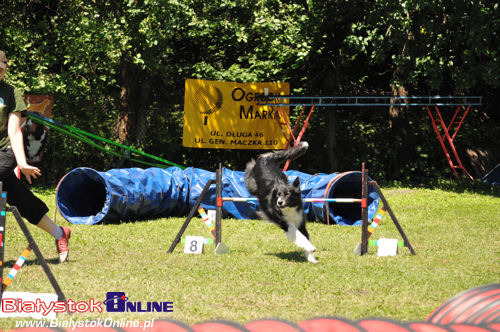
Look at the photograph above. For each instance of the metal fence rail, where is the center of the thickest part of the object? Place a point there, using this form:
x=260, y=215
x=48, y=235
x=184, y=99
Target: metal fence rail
x=342, y=101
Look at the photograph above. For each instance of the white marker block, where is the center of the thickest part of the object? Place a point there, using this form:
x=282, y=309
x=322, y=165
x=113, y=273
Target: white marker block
x=194, y=244
x=387, y=247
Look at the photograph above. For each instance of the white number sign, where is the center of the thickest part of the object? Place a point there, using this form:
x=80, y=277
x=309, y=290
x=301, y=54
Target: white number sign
x=194, y=244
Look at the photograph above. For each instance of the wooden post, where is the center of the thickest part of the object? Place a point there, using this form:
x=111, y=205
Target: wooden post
x=190, y=215
x=393, y=217
x=218, y=207
x=364, y=209
x=38, y=253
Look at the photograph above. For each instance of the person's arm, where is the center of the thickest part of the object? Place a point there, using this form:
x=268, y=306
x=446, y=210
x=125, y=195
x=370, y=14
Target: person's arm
x=17, y=145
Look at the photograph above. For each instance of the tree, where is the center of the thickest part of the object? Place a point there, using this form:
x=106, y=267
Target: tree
x=117, y=69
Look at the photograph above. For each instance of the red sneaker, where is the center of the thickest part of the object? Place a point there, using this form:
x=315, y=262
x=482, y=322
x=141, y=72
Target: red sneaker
x=62, y=244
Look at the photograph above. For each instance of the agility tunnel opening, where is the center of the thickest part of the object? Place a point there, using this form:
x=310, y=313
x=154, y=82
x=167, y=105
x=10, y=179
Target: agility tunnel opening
x=348, y=185
x=337, y=185
x=82, y=196
x=87, y=196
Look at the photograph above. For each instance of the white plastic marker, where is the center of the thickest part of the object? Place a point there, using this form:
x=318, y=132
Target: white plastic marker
x=194, y=244
x=387, y=247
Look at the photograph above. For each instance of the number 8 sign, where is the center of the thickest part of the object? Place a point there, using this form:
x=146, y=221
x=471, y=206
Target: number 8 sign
x=194, y=244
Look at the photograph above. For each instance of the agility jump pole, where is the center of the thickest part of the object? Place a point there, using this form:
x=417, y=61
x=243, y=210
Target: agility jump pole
x=191, y=215
x=31, y=246
x=87, y=137
x=307, y=200
x=218, y=214
x=393, y=217
x=366, y=228
x=19, y=264
x=367, y=231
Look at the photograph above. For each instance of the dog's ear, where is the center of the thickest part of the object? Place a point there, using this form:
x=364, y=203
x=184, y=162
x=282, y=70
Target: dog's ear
x=296, y=182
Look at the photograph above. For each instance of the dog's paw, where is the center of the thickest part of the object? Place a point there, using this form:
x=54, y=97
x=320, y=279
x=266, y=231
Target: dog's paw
x=309, y=247
x=310, y=257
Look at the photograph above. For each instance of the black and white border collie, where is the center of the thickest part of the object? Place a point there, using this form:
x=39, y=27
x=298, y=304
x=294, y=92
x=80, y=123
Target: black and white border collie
x=280, y=202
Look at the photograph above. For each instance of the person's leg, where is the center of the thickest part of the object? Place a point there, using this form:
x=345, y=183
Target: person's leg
x=50, y=227
x=60, y=233
x=29, y=206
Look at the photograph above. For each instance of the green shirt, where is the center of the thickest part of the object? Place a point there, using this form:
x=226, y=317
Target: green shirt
x=11, y=100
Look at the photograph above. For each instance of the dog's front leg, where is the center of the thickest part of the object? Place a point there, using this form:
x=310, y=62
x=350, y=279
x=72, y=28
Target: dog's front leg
x=297, y=238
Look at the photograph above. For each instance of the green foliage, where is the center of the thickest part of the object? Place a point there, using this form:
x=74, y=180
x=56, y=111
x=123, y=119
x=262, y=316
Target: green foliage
x=77, y=51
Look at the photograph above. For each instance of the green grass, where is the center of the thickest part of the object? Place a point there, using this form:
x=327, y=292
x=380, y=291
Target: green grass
x=455, y=235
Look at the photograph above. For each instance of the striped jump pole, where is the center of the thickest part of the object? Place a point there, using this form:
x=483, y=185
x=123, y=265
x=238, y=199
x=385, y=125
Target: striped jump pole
x=239, y=199
x=207, y=221
x=332, y=200
x=19, y=264
x=376, y=221
x=32, y=244
x=371, y=228
x=307, y=200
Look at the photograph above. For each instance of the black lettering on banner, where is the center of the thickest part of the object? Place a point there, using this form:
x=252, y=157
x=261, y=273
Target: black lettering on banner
x=238, y=134
x=258, y=114
x=239, y=94
x=218, y=141
x=238, y=90
x=215, y=133
x=271, y=142
x=247, y=142
x=246, y=114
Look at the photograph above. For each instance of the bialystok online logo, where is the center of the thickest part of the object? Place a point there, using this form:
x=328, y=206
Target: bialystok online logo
x=115, y=302
x=118, y=302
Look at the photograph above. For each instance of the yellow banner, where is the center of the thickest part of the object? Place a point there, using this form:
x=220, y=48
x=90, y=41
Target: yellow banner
x=226, y=115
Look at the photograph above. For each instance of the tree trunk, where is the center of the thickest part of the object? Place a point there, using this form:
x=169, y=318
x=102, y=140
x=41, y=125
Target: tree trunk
x=331, y=140
x=403, y=145
x=403, y=139
x=134, y=100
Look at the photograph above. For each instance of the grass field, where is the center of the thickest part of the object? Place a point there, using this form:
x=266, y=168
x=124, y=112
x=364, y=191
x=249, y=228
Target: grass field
x=454, y=232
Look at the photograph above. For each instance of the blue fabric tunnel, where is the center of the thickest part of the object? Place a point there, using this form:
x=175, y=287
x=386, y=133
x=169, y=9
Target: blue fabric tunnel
x=87, y=196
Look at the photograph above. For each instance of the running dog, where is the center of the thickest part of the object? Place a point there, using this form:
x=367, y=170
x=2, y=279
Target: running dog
x=280, y=201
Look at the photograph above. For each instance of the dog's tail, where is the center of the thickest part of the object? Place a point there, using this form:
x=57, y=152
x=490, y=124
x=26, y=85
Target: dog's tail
x=281, y=156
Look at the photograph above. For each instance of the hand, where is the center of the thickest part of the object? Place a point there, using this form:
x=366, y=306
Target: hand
x=30, y=171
